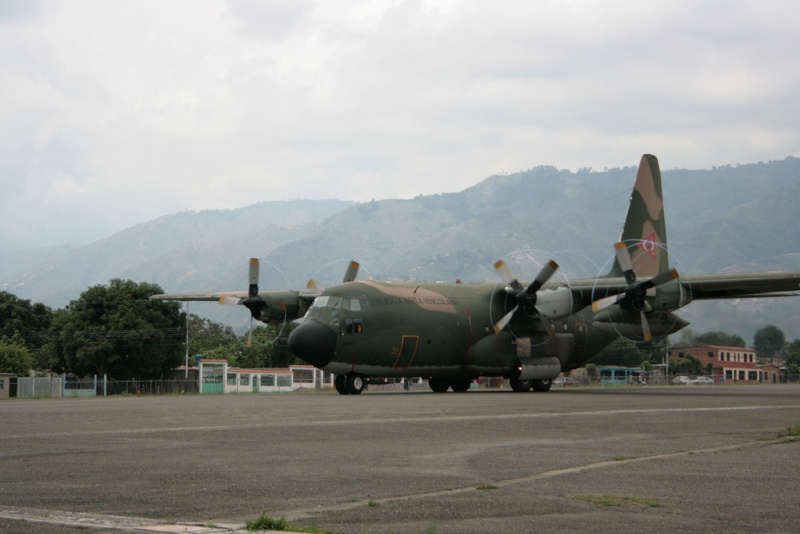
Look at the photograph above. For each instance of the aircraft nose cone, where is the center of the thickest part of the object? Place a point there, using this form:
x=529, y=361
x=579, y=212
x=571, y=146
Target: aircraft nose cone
x=314, y=342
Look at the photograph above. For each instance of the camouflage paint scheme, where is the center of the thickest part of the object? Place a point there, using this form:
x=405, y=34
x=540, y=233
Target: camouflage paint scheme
x=454, y=333
x=446, y=332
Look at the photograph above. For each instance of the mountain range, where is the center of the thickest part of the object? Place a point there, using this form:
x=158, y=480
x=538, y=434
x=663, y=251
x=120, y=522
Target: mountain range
x=726, y=219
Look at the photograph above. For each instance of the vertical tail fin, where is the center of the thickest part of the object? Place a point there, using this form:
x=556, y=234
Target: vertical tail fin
x=645, y=231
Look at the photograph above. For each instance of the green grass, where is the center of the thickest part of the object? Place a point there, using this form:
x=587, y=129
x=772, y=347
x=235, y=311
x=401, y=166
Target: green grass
x=794, y=430
x=484, y=487
x=619, y=501
x=268, y=523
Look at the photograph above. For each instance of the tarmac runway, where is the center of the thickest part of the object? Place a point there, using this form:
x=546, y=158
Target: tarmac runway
x=626, y=459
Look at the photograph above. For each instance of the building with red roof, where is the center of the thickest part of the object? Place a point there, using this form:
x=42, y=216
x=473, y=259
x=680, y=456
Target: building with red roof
x=730, y=364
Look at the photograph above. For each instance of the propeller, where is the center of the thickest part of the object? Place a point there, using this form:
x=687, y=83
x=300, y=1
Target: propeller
x=315, y=288
x=634, y=296
x=232, y=298
x=525, y=296
x=256, y=302
x=253, y=302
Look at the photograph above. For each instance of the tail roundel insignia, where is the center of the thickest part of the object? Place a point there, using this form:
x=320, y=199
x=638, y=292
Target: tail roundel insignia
x=648, y=244
x=644, y=231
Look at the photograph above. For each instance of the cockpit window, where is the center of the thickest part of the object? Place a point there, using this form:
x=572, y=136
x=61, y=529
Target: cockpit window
x=355, y=301
x=327, y=301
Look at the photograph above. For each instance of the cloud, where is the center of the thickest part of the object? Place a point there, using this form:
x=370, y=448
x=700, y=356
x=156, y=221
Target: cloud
x=64, y=189
x=147, y=108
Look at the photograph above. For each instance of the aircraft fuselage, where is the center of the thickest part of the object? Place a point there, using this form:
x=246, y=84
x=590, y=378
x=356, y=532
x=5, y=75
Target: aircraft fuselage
x=409, y=329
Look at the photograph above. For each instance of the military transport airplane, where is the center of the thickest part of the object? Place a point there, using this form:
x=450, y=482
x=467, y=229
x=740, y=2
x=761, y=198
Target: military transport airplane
x=454, y=333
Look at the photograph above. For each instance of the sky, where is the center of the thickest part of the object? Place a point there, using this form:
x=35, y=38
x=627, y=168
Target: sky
x=116, y=113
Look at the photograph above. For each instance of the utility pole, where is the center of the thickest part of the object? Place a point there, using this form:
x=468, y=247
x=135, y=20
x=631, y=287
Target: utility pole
x=186, y=361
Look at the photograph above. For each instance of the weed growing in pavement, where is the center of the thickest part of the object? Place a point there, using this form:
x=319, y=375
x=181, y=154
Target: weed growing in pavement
x=619, y=501
x=268, y=523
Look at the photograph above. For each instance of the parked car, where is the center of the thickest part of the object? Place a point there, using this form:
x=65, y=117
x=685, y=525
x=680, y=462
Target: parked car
x=563, y=381
x=682, y=380
x=380, y=381
x=703, y=380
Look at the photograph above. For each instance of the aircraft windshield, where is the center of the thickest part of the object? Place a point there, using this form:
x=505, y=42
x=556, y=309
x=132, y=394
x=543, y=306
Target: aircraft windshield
x=354, y=303
x=328, y=302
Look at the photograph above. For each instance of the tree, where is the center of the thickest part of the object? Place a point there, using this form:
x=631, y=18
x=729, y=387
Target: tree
x=720, y=339
x=206, y=335
x=621, y=352
x=268, y=348
x=793, y=352
x=591, y=370
x=689, y=366
x=15, y=357
x=769, y=341
x=26, y=324
x=20, y=317
x=794, y=373
x=116, y=330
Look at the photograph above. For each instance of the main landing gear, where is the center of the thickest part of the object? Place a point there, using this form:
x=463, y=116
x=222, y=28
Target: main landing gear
x=349, y=384
x=536, y=384
x=353, y=384
x=441, y=384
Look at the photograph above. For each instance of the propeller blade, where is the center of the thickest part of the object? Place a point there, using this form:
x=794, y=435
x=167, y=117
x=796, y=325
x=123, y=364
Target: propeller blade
x=625, y=262
x=659, y=279
x=552, y=330
x=351, y=273
x=315, y=287
x=645, y=327
x=505, y=272
x=503, y=322
x=253, y=290
x=543, y=276
x=602, y=304
x=230, y=300
x=250, y=333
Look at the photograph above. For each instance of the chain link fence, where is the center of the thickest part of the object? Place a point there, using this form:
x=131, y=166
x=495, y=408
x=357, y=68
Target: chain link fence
x=32, y=387
x=149, y=387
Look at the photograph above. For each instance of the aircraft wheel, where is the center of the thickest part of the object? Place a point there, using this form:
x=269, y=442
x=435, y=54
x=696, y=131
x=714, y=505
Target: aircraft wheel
x=439, y=384
x=354, y=384
x=520, y=386
x=461, y=385
x=541, y=385
x=338, y=382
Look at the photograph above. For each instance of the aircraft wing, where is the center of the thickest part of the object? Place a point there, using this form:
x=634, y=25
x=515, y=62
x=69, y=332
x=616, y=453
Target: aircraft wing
x=700, y=286
x=742, y=285
x=208, y=297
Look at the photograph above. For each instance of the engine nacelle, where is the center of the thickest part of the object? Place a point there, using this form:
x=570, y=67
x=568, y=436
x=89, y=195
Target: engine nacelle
x=279, y=306
x=555, y=304
x=671, y=296
x=628, y=323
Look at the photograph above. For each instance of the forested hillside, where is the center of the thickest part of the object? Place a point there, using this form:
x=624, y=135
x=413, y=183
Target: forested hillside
x=736, y=218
